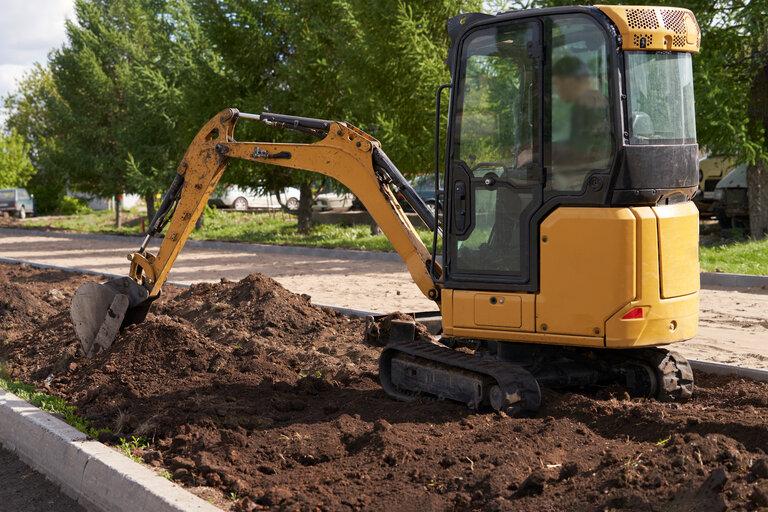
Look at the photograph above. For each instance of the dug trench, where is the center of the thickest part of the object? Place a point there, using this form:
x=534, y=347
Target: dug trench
x=254, y=398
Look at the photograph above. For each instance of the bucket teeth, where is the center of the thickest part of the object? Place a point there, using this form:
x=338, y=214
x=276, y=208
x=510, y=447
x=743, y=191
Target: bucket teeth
x=98, y=311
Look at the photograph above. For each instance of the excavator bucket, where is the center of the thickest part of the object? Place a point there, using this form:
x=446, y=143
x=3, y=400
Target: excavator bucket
x=98, y=311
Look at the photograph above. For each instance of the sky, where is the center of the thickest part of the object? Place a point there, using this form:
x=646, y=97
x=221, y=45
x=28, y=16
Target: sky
x=29, y=29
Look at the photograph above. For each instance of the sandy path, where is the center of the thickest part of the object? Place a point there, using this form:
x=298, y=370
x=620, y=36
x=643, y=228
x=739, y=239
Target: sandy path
x=361, y=284
x=733, y=329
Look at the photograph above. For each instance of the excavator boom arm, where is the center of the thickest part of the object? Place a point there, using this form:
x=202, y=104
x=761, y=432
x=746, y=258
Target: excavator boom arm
x=345, y=154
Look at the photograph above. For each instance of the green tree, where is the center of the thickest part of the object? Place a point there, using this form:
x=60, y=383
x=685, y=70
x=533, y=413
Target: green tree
x=374, y=64
x=732, y=92
x=32, y=113
x=15, y=167
x=122, y=77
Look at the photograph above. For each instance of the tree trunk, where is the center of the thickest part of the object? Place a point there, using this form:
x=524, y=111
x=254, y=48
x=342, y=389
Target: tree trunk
x=200, y=222
x=118, y=211
x=150, y=199
x=757, y=175
x=757, y=196
x=306, y=197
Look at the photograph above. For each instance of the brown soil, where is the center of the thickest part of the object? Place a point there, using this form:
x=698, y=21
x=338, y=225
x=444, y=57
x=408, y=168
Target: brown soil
x=247, y=391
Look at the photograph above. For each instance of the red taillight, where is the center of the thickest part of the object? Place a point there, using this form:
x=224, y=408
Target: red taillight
x=633, y=314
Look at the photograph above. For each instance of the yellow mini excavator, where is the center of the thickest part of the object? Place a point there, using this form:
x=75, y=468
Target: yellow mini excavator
x=569, y=247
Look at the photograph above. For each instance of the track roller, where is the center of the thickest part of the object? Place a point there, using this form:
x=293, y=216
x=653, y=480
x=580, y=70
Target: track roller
x=412, y=369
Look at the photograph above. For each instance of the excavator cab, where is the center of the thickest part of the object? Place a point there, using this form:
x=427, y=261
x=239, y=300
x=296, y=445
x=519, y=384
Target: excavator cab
x=571, y=164
x=569, y=238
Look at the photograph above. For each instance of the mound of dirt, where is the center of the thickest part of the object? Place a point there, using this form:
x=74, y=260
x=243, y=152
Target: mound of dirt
x=18, y=306
x=257, y=306
x=256, y=399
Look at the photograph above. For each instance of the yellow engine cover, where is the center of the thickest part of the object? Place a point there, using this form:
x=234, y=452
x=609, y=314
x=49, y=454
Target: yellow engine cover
x=596, y=265
x=655, y=28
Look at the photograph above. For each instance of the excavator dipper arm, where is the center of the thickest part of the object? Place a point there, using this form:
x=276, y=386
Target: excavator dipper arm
x=344, y=153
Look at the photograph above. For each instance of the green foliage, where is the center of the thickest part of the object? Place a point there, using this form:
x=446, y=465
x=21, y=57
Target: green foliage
x=374, y=64
x=15, y=167
x=130, y=445
x=109, y=114
x=33, y=109
x=117, y=104
x=72, y=206
x=121, y=78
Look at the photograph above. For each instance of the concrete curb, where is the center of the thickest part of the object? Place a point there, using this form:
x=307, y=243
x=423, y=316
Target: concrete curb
x=95, y=475
x=729, y=369
x=721, y=279
x=344, y=254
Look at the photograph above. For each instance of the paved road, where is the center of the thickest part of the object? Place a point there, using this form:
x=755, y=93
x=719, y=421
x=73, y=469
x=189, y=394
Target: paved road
x=734, y=324
x=23, y=489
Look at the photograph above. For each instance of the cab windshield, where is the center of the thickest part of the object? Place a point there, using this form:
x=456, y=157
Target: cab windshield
x=660, y=98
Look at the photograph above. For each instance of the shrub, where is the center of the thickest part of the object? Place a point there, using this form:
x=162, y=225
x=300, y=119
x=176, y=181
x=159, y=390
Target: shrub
x=72, y=206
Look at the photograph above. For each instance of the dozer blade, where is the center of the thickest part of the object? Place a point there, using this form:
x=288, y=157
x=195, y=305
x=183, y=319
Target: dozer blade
x=98, y=311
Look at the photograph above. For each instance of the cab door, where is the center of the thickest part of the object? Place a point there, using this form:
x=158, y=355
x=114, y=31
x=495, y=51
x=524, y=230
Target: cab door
x=494, y=170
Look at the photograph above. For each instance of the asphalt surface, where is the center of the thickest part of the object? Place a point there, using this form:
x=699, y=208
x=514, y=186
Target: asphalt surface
x=22, y=489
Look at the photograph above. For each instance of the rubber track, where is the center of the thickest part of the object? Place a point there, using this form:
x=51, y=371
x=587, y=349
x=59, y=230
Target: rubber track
x=674, y=373
x=518, y=384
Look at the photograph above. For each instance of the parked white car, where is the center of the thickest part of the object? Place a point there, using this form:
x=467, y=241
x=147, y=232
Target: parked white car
x=243, y=199
x=107, y=203
x=333, y=201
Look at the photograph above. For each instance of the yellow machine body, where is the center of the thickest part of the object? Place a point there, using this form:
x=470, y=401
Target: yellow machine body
x=597, y=264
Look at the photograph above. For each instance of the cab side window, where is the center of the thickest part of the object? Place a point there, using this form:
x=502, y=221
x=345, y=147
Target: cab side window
x=580, y=139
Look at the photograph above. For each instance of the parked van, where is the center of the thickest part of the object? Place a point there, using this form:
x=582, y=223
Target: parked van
x=17, y=201
x=731, y=199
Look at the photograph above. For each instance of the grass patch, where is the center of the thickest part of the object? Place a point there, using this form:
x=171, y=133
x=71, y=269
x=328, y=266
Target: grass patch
x=274, y=228
x=737, y=257
x=50, y=404
x=92, y=222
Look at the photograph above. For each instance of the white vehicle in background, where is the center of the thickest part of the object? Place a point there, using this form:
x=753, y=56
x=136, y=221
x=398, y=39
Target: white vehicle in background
x=97, y=203
x=326, y=201
x=243, y=199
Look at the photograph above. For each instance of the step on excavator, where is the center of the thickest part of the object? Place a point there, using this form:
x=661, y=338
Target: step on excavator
x=569, y=241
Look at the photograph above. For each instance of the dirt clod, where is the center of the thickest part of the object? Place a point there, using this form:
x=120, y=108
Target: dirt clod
x=759, y=468
x=533, y=484
x=569, y=469
x=759, y=496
